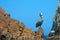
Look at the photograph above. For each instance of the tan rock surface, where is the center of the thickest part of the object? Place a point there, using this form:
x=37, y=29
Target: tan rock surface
x=11, y=28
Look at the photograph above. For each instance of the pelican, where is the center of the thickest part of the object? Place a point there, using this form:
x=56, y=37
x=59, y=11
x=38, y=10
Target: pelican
x=39, y=23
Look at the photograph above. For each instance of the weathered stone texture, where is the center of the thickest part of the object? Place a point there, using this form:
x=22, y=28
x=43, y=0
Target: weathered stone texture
x=13, y=30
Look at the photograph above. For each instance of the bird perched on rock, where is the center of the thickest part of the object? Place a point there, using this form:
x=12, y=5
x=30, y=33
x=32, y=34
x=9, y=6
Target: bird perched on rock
x=39, y=23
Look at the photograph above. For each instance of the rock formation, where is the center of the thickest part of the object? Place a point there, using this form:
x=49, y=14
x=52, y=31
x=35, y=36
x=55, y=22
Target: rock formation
x=55, y=31
x=11, y=29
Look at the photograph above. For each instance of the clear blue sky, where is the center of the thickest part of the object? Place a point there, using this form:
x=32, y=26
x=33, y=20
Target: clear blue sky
x=27, y=11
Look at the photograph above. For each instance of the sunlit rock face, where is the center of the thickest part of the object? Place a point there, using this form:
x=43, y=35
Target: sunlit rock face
x=39, y=34
x=11, y=29
x=8, y=26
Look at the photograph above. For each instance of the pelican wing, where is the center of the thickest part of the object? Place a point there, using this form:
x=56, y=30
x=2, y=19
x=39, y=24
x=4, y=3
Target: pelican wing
x=38, y=23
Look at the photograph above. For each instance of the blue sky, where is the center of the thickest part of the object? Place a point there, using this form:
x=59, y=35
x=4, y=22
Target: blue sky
x=27, y=11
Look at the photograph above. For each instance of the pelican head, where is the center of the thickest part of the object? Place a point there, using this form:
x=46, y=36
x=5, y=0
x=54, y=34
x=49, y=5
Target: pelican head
x=41, y=14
